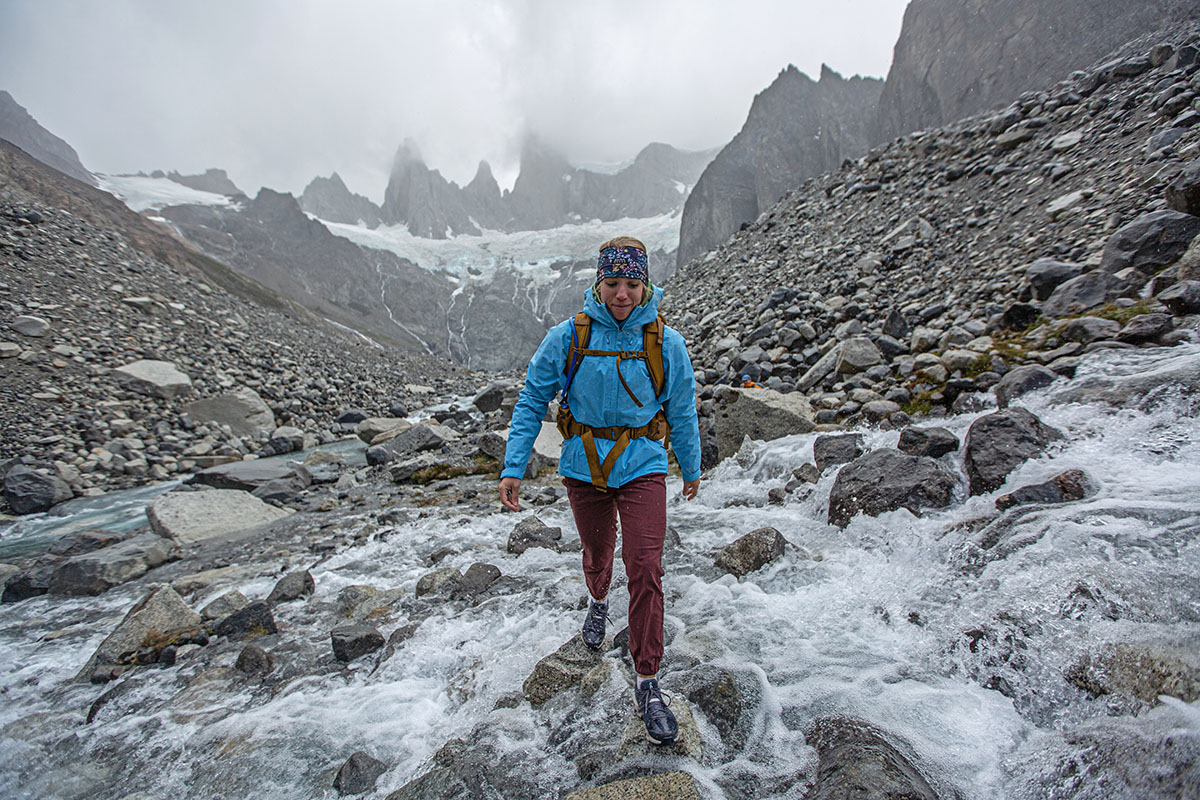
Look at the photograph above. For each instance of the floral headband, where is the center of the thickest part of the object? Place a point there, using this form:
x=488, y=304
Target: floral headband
x=622, y=262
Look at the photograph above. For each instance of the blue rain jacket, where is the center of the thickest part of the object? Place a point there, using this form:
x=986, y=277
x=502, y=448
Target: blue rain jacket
x=598, y=399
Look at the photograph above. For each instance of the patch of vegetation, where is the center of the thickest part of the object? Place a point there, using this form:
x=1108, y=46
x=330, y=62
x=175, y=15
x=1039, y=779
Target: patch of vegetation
x=979, y=366
x=919, y=406
x=1122, y=314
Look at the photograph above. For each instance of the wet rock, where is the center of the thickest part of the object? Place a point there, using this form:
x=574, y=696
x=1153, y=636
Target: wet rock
x=1143, y=670
x=1182, y=298
x=32, y=582
x=253, y=660
x=475, y=581
x=634, y=743
x=885, y=480
x=80, y=542
x=292, y=586
x=999, y=443
x=160, y=611
x=352, y=641
x=358, y=774
x=931, y=442
x=829, y=450
x=662, y=786
x=1150, y=243
x=1021, y=380
x=255, y=619
x=460, y=770
x=756, y=549
x=563, y=669
x=532, y=532
x=856, y=760
x=807, y=473
x=30, y=492
x=1145, y=328
x=760, y=414
x=243, y=410
x=154, y=378
x=228, y=603
x=1065, y=487
x=438, y=582
x=98, y=571
x=728, y=700
x=1018, y=316
x=189, y=517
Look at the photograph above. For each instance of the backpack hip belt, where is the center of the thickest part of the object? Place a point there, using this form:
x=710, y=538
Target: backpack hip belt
x=656, y=429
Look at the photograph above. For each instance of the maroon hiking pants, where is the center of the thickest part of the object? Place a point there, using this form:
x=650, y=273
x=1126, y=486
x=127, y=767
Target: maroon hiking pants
x=642, y=506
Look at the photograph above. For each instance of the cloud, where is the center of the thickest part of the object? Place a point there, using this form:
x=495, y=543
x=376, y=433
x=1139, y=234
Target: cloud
x=279, y=91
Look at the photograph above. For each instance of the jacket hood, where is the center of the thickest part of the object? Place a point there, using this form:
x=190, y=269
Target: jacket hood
x=639, y=316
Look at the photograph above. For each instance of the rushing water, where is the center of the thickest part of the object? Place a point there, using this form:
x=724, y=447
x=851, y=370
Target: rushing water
x=900, y=621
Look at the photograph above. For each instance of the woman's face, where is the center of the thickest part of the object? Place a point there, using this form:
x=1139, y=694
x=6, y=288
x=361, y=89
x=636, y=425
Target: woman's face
x=622, y=296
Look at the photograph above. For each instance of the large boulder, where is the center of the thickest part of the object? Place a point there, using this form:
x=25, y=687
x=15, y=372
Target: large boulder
x=858, y=354
x=412, y=440
x=832, y=449
x=1045, y=275
x=100, y=570
x=243, y=410
x=351, y=641
x=1183, y=193
x=1062, y=488
x=933, y=442
x=1143, y=670
x=674, y=785
x=29, y=491
x=1182, y=298
x=373, y=430
x=1021, y=380
x=1079, y=294
x=747, y=553
x=160, y=611
x=885, y=480
x=153, y=378
x=358, y=774
x=857, y=760
x=999, y=443
x=246, y=476
x=1150, y=243
x=189, y=517
x=759, y=414
x=561, y=670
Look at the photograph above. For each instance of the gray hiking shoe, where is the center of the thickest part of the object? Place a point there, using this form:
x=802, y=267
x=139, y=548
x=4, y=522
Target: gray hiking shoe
x=661, y=727
x=593, y=625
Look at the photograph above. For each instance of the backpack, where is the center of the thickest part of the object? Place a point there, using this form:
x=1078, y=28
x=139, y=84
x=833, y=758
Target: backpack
x=657, y=428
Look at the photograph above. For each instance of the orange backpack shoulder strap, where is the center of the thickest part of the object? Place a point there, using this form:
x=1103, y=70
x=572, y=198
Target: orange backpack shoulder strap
x=579, y=341
x=652, y=343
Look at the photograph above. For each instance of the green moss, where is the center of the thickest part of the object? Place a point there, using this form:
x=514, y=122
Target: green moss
x=978, y=366
x=441, y=472
x=918, y=406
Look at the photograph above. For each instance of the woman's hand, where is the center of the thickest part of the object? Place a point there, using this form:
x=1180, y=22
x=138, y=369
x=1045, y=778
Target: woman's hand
x=690, y=488
x=510, y=493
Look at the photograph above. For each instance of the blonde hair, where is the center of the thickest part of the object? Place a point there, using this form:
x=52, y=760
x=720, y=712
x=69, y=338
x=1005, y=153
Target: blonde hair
x=624, y=241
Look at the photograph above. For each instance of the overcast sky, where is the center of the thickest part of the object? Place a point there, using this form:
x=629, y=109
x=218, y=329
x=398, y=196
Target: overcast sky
x=279, y=91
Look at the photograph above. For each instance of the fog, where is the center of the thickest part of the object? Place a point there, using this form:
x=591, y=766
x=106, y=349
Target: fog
x=277, y=92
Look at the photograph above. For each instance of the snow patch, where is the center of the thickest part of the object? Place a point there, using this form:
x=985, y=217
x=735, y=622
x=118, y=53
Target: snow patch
x=141, y=193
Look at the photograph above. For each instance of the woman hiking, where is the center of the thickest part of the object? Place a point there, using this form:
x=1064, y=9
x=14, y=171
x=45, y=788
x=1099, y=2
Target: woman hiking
x=628, y=382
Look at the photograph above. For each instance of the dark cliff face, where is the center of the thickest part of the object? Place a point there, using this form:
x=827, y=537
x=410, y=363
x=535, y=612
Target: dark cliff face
x=329, y=199
x=18, y=127
x=428, y=204
x=956, y=58
x=211, y=180
x=797, y=128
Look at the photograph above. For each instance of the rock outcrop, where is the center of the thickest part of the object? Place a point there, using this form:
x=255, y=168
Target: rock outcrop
x=797, y=128
x=18, y=127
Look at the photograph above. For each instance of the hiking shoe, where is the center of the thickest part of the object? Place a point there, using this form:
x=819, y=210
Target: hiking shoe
x=593, y=625
x=661, y=727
